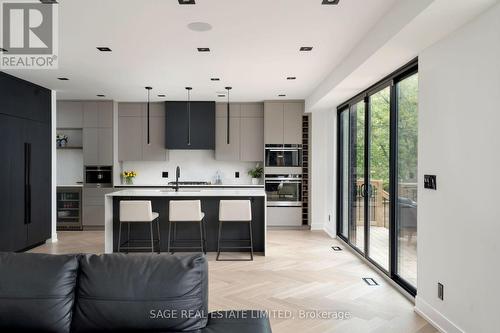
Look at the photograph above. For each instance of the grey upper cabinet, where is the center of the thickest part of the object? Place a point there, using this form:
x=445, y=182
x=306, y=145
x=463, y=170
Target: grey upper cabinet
x=246, y=132
x=105, y=151
x=283, y=122
x=293, y=123
x=97, y=146
x=97, y=132
x=132, y=132
x=224, y=150
x=129, y=138
x=69, y=114
x=98, y=114
x=155, y=150
x=273, y=123
x=91, y=146
x=252, y=139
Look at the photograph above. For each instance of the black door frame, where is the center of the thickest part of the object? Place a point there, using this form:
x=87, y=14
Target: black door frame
x=390, y=81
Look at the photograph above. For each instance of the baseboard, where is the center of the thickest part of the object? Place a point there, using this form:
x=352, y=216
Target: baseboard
x=330, y=231
x=434, y=317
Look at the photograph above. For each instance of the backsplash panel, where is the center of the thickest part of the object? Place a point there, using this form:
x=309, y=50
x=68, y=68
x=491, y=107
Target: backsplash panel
x=196, y=165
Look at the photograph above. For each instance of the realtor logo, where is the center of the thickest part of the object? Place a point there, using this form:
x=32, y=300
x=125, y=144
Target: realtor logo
x=29, y=35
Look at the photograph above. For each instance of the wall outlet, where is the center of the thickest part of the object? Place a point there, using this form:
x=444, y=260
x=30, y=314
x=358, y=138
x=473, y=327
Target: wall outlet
x=164, y=174
x=440, y=291
x=237, y=174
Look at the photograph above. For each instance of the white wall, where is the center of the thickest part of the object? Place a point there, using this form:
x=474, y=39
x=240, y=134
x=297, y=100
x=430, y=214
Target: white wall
x=459, y=141
x=197, y=165
x=322, y=171
x=69, y=166
x=53, y=132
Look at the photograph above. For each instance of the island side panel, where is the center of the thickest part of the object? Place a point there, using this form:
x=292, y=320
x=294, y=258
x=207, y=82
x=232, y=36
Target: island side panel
x=210, y=206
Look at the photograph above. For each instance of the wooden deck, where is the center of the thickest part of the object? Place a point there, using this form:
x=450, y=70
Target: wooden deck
x=379, y=251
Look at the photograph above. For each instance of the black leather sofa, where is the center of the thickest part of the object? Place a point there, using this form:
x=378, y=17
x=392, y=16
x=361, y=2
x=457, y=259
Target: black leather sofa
x=113, y=293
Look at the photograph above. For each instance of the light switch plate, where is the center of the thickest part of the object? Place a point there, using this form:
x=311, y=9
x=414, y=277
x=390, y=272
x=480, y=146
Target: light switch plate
x=430, y=182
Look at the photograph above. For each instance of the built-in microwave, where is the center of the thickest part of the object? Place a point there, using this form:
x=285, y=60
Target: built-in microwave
x=99, y=176
x=283, y=156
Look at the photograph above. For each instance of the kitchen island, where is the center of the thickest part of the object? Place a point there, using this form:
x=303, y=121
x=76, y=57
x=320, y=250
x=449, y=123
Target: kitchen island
x=209, y=205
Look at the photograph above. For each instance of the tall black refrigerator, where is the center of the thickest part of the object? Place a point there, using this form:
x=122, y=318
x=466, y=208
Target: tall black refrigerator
x=25, y=164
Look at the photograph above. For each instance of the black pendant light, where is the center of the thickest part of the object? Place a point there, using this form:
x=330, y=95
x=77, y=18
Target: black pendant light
x=189, y=114
x=148, y=117
x=228, y=111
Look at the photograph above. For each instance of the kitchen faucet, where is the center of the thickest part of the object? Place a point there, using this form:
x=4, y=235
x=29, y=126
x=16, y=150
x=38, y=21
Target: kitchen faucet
x=177, y=175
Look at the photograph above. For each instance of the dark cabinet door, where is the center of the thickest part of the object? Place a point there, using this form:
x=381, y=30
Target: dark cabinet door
x=176, y=127
x=190, y=132
x=13, y=230
x=38, y=137
x=23, y=99
x=203, y=125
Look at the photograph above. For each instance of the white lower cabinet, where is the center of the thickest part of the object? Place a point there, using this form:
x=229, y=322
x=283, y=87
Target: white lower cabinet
x=284, y=216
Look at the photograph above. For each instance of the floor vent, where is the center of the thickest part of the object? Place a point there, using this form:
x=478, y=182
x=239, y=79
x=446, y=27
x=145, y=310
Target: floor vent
x=336, y=248
x=370, y=281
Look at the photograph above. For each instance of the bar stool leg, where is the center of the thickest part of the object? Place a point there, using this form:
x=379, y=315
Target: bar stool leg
x=158, y=227
x=201, y=236
x=218, y=240
x=251, y=240
x=128, y=235
x=205, y=235
x=169, y=235
x=152, y=239
x=119, y=236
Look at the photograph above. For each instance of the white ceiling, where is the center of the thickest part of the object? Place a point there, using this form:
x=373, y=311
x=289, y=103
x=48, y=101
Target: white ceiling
x=254, y=47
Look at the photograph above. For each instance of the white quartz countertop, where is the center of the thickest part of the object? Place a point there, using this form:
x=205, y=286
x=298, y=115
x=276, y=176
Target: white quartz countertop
x=186, y=192
x=190, y=186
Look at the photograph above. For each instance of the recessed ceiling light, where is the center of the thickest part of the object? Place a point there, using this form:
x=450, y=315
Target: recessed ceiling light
x=291, y=78
x=330, y=2
x=187, y=2
x=63, y=78
x=306, y=48
x=3, y=50
x=199, y=26
x=281, y=95
x=215, y=79
x=104, y=49
x=101, y=95
x=203, y=49
x=161, y=95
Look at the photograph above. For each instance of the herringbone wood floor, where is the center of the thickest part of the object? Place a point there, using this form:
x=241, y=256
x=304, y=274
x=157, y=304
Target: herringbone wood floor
x=300, y=272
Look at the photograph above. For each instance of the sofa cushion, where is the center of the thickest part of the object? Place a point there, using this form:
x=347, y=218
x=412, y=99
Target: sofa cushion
x=246, y=321
x=141, y=293
x=36, y=292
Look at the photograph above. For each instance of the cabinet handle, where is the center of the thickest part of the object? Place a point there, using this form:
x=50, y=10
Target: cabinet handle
x=27, y=183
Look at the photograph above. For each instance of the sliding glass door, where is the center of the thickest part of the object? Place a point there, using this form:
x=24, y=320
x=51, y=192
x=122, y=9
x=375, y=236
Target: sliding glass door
x=377, y=175
x=407, y=157
x=357, y=175
x=379, y=166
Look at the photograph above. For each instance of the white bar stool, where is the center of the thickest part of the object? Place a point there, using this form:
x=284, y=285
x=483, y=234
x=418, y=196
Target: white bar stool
x=231, y=211
x=135, y=211
x=186, y=211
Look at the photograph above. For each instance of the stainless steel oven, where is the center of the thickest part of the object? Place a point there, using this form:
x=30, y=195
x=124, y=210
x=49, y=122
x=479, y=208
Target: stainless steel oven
x=283, y=155
x=284, y=190
x=98, y=176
